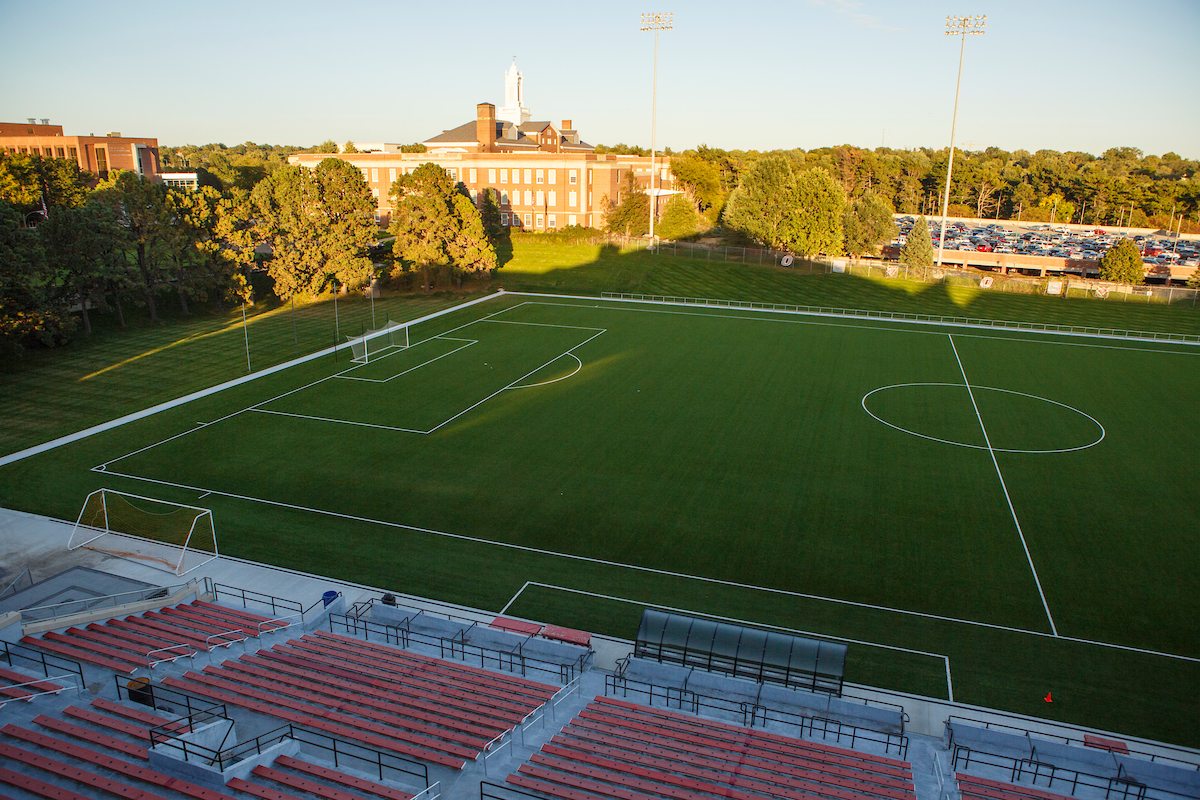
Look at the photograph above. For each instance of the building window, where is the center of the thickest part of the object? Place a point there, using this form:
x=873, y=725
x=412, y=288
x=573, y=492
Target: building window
x=572, y=199
x=528, y=197
x=364, y=172
x=392, y=175
x=572, y=177
x=541, y=222
x=551, y=222
x=101, y=161
x=528, y=219
x=541, y=198
x=61, y=152
x=375, y=193
x=571, y=220
x=374, y=176
x=73, y=153
x=23, y=150
x=541, y=176
x=453, y=173
x=589, y=199
x=553, y=198
x=504, y=176
x=492, y=176
x=589, y=177
x=474, y=175
x=504, y=197
x=529, y=176
x=551, y=176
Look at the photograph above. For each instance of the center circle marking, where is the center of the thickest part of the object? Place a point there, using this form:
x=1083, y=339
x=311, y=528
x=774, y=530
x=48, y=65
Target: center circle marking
x=977, y=446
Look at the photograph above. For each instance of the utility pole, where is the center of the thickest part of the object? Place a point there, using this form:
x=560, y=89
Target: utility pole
x=656, y=23
x=956, y=26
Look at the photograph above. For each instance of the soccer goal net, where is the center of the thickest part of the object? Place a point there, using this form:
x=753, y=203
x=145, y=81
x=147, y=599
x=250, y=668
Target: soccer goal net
x=166, y=535
x=378, y=342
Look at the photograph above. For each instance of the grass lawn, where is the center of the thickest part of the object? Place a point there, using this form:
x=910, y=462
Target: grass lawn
x=829, y=476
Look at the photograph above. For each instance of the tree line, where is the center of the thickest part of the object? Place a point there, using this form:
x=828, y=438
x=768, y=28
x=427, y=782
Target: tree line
x=71, y=245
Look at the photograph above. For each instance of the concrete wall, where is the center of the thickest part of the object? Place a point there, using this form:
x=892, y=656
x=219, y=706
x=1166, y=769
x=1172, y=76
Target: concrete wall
x=109, y=612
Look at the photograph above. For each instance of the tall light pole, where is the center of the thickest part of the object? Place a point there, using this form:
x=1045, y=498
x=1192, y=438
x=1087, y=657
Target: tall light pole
x=656, y=23
x=956, y=26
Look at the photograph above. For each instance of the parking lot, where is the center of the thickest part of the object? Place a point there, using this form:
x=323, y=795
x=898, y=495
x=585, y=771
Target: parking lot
x=1056, y=241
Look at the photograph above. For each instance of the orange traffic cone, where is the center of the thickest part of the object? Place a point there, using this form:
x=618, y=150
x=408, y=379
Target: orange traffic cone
x=1048, y=700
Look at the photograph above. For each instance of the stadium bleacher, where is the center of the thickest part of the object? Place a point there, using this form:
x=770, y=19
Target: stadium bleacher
x=615, y=747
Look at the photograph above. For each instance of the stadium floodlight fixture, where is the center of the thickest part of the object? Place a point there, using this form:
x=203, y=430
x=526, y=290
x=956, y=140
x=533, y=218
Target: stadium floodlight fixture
x=655, y=22
x=961, y=27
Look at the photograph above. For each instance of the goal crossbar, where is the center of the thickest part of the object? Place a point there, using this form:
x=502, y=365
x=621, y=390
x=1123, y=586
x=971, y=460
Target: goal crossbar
x=375, y=342
x=107, y=529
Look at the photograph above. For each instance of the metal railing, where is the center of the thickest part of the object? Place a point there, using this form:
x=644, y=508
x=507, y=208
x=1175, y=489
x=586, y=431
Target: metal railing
x=278, y=605
x=812, y=726
x=454, y=648
x=72, y=607
x=1078, y=740
x=25, y=573
x=501, y=791
x=141, y=691
x=494, y=747
x=44, y=660
x=902, y=316
x=1020, y=768
x=74, y=680
x=151, y=663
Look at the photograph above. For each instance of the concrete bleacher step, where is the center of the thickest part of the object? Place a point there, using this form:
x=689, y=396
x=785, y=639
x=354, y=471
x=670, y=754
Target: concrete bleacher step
x=334, y=776
x=51, y=643
x=30, y=688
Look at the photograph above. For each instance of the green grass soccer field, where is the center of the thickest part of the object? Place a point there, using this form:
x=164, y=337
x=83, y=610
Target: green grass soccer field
x=999, y=515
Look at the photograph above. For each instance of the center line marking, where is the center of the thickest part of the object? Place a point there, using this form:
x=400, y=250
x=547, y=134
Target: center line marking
x=1003, y=486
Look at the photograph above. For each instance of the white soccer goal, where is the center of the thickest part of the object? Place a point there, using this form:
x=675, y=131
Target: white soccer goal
x=377, y=343
x=167, y=535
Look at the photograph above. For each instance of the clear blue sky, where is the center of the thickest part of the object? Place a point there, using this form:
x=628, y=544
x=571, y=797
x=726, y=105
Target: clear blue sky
x=1057, y=74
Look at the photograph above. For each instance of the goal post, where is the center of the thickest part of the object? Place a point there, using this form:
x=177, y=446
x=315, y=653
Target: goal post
x=378, y=342
x=166, y=535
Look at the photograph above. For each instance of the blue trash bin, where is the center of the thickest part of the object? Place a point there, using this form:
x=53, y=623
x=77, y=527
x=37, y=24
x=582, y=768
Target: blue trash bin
x=328, y=598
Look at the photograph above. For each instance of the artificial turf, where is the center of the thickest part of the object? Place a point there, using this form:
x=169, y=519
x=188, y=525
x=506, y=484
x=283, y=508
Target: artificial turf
x=732, y=450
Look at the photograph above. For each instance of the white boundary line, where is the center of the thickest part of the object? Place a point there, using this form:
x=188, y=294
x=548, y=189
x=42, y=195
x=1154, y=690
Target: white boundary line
x=1003, y=486
x=469, y=342
x=979, y=446
x=735, y=620
x=652, y=570
x=886, y=327
x=149, y=412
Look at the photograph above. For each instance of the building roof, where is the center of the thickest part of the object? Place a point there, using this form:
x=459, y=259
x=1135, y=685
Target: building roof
x=508, y=135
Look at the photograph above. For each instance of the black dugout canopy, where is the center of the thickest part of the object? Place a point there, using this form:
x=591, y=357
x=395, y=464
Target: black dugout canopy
x=742, y=652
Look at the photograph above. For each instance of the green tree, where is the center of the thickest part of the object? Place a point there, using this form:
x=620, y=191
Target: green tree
x=630, y=214
x=1122, y=263
x=26, y=180
x=319, y=224
x=28, y=314
x=415, y=147
x=868, y=223
x=489, y=212
x=679, y=219
x=83, y=253
x=917, y=251
x=788, y=209
x=144, y=218
x=327, y=146
x=349, y=147
x=436, y=225
x=700, y=180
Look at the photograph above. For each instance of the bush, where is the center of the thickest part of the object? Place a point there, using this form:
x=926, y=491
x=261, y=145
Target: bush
x=679, y=219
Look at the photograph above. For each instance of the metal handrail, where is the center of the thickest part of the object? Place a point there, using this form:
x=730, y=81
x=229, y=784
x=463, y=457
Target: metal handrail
x=250, y=596
x=76, y=685
x=152, y=663
x=485, y=755
x=45, y=660
x=22, y=574
x=433, y=792
x=55, y=610
x=210, y=646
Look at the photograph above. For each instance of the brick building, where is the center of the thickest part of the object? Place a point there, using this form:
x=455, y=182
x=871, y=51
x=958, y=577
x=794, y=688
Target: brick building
x=97, y=154
x=543, y=175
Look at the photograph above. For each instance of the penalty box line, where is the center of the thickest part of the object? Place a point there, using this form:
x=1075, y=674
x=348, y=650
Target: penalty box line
x=1003, y=486
x=651, y=570
x=102, y=467
x=736, y=621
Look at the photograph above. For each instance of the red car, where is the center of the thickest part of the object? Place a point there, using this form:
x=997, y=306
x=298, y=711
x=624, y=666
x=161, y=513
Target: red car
x=984, y=248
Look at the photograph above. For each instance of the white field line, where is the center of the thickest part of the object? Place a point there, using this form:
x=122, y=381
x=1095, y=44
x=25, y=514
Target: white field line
x=343, y=376
x=541, y=324
x=179, y=401
x=331, y=419
x=736, y=621
x=866, y=315
x=883, y=328
x=651, y=570
x=1003, y=486
x=571, y=374
x=518, y=380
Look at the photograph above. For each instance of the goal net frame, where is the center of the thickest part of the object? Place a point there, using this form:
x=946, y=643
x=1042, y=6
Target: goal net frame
x=375, y=344
x=142, y=548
